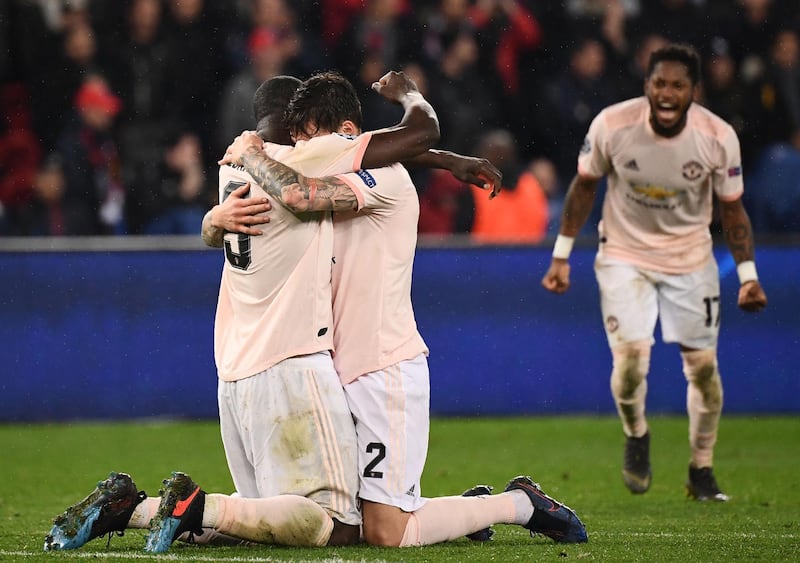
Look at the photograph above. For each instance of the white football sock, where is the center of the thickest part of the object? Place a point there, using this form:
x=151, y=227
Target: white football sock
x=281, y=520
x=703, y=403
x=447, y=518
x=144, y=512
x=629, y=385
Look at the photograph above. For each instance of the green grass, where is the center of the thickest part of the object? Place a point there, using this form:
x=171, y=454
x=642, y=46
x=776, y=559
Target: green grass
x=45, y=468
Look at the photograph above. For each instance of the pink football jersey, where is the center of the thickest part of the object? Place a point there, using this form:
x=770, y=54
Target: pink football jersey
x=275, y=294
x=373, y=259
x=658, y=203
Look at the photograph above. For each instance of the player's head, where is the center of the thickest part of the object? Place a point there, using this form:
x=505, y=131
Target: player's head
x=269, y=108
x=673, y=75
x=325, y=103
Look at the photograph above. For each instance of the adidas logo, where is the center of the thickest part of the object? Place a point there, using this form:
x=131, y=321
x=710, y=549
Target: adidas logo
x=631, y=165
x=410, y=492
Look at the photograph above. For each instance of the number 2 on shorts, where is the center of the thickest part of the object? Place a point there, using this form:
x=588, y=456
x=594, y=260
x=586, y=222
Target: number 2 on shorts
x=369, y=470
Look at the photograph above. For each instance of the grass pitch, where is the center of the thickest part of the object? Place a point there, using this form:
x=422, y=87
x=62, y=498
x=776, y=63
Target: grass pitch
x=45, y=468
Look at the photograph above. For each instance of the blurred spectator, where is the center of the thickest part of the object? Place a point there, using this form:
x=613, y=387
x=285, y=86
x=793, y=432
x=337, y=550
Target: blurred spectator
x=268, y=56
x=577, y=96
x=6, y=44
x=506, y=30
x=463, y=101
x=607, y=16
x=722, y=91
x=519, y=213
x=137, y=63
x=194, y=45
x=545, y=172
x=139, y=71
x=33, y=39
x=680, y=21
x=19, y=149
x=613, y=24
x=447, y=19
x=508, y=35
x=773, y=190
x=630, y=79
x=539, y=69
x=51, y=213
x=91, y=161
x=382, y=37
x=446, y=205
x=66, y=68
x=305, y=53
x=175, y=205
x=751, y=27
x=337, y=16
x=774, y=102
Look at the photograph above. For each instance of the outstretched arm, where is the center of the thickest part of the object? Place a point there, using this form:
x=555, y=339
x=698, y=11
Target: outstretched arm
x=739, y=237
x=577, y=208
x=469, y=169
x=297, y=192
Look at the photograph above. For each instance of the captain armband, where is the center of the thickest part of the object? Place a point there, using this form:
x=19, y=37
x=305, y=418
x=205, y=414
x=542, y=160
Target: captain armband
x=746, y=271
x=563, y=247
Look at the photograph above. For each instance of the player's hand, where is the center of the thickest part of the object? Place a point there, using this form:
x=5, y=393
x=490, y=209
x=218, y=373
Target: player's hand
x=237, y=214
x=752, y=297
x=394, y=86
x=234, y=152
x=557, y=277
x=478, y=171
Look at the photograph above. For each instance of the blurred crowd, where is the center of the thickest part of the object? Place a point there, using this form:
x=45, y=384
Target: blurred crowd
x=114, y=113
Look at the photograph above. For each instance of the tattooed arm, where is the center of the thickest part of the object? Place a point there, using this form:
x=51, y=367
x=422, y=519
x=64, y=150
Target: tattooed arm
x=737, y=230
x=577, y=208
x=578, y=205
x=297, y=192
x=739, y=238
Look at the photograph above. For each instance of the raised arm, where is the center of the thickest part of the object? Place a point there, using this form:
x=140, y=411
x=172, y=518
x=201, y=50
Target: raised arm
x=738, y=235
x=417, y=131
x=577, y=208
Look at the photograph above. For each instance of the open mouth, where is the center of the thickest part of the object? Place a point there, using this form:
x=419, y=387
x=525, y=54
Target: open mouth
x=667, y=113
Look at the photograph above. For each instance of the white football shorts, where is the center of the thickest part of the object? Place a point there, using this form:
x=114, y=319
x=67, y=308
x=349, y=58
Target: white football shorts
x=633, y=298
x=288, y=430
x=391, y=408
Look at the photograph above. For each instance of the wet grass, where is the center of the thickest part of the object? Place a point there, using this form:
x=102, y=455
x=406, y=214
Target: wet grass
x=576, y=459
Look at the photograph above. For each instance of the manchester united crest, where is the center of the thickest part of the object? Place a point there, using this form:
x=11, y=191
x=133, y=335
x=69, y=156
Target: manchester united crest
x=692, y=170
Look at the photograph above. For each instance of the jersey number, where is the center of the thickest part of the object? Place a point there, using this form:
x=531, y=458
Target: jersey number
x=368, y=470
x=712, y=310
x=240, y=259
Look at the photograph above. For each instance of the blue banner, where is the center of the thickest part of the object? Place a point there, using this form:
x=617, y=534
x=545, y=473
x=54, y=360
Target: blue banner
x=129, y=334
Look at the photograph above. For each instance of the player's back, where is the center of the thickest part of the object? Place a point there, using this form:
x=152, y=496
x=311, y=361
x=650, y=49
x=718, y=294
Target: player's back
x=275, y=293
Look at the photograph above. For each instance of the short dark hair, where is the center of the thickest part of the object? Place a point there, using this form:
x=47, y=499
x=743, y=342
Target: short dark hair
x=678, y=53
x=325, y=100
x=273, y=96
